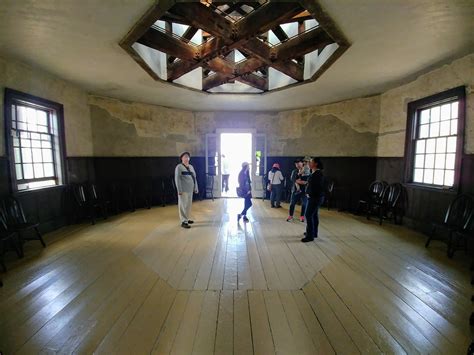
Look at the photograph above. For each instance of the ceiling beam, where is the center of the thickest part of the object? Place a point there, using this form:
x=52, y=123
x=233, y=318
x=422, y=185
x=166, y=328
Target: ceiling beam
x=301, y=44
x=281, y=35
x=165, y=43
x=187, y=35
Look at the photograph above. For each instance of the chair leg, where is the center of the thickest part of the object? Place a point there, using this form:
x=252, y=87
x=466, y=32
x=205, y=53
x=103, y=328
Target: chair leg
x=40, y=237
x=2, y=253
x=451, y=245
x=430, y=237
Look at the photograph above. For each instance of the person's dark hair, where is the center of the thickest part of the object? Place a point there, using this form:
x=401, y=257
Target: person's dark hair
x=299, y=160
x=183, y=154
x=319, y=162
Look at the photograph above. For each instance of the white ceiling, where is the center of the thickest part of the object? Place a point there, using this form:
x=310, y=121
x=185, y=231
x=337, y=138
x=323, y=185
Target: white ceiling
x=392, y=41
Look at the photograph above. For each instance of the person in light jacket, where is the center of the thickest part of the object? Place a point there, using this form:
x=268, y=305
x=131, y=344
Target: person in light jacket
x=275, y=179
x=186, y=184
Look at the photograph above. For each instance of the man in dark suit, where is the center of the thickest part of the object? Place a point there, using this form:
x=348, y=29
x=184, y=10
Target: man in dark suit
x=315, y=190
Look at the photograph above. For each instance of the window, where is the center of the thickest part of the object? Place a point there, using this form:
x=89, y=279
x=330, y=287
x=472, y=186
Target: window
x=34, y=130
x=435, y=132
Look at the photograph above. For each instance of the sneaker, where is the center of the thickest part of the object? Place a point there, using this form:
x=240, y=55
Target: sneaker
x=306, y=240
x=190, y=222
x=302, y=219
x=185, y=225
x=246, y=219
x=289, y=219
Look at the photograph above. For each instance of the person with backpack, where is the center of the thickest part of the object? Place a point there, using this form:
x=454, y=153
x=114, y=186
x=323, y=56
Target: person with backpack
x=275, y=185
x=315, y=191
x=186, y=185
x=244, y=190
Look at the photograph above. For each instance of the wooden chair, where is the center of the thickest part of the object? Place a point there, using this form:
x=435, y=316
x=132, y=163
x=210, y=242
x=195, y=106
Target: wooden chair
x=462, y=237
x=168, y=190
x=16, y=222
x=209, y=190
x=329, y=192
x=88, y=202
x=7, y=238
x=387, y=207
x=374, y=195
x=457, y=219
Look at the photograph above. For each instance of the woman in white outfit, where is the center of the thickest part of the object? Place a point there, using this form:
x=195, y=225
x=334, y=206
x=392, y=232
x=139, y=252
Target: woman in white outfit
x=186, y=184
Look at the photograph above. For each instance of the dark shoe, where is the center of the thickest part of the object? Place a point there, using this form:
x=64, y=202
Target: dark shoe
x=278, y=206
x=239, y=216
x=246, y=219
x=306, y=240
x=273, y=206
x=185, y=225
x=190, y=222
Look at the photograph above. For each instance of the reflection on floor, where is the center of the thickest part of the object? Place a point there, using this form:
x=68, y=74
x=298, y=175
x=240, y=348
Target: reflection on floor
x=138, y=283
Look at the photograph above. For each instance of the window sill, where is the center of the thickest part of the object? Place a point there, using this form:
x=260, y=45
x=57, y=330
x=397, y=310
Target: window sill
x=39, y=189
x=440, y=189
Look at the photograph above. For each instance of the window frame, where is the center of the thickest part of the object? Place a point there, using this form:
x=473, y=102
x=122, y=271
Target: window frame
x=414, y=107
x=13, y=97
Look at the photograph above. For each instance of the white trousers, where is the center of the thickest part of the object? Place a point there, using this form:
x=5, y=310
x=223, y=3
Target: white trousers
x=185, y=201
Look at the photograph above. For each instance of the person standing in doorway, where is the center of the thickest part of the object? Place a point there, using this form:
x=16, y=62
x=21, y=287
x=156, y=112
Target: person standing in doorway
x=315, y=193
x=225, y=173
x=245, y=190
x=275, y=178
x=186, y=184
x=299, y=178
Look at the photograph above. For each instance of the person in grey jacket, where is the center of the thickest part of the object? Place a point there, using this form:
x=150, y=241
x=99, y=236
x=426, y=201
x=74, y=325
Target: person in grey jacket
x=186, y=184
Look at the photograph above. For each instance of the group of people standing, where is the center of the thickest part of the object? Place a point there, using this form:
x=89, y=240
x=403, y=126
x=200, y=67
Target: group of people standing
x=308, y=186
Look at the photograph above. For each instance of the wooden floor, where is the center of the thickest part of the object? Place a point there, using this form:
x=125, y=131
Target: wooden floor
x=139, y=284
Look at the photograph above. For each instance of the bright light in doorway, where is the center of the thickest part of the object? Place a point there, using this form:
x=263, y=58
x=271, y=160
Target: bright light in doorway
x=237, y=148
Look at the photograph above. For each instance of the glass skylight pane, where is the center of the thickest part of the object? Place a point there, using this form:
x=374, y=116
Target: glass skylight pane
x=420, y=147
x=439, y=161
x=449, y=177
x=418, y=176
x=425, y=116
x=451, y=147
x=454, y=110
x=429, y=161
x=434, y=129
x=419, y=161
x=428, y=176
x=438, y=177
x=450, y=161
x=441, y=145
x=434, y=116
x=454, y=127
x=424, y=131
x=445, y=112
x=444, y=129
x=430, y=145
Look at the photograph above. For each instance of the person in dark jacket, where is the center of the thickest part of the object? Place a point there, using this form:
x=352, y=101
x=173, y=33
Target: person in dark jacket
x=299, y=177
x=245, y=191
x=315, y=193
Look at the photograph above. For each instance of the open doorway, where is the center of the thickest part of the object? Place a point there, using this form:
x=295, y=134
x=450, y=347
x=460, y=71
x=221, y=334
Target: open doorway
x=235, y=148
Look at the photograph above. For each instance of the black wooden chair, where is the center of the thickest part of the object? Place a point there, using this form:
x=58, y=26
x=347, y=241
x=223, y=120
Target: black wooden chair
x=168, y=191
x=87, y=205
x=8, y=240
x=388, y=206
x=209, y=190
x=121, y=195
x=457, y=219
x=142, y=192
x=16, y=222
x=329, y=198
x=373, y=195
x=463, y=236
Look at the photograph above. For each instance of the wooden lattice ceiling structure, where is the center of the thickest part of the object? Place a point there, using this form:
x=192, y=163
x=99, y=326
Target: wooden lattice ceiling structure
x=228, y=26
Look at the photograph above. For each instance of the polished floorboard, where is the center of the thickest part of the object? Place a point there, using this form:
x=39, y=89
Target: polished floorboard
x=137, y=283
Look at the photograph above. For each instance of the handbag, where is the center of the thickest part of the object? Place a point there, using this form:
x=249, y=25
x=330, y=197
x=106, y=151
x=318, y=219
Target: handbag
x=269, y=185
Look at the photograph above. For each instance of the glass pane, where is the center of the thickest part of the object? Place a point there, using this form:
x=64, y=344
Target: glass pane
x=24, y=135
x=444, y=128
x=32, y=127
x=16, y=142
x=17, y=155
x=36, y=144
x=449, y=177
x=37, y=157
x=25, y=142
x=38, y=170
x=454, y=110
x=13, y=124
x=46, y=137
x=42, y=117
x=438, y=177
x=47, y=155
x=31, y=116
x=434, y=117
x=434, y=129
x=28, y=170
x=420, y=147
x=21, y=113
x=439, y=162
x=46, y=144
x=454, y=127
x=22, y=126
x=48, y=170
x=450, y=160
x=418, y=176
x=42, y=129
x=445, y=112
x=35, y=136
x=419, y=161
x=441, y=145
x=429, y=161
x=26, y=155
x=451, y=148
x=19, y=173
x=430, y=145
x=425, y=116
x=428, y=176
x=424, y=131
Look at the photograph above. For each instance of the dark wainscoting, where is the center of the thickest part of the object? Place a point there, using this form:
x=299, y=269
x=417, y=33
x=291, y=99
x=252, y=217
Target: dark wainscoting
x=425, y=205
